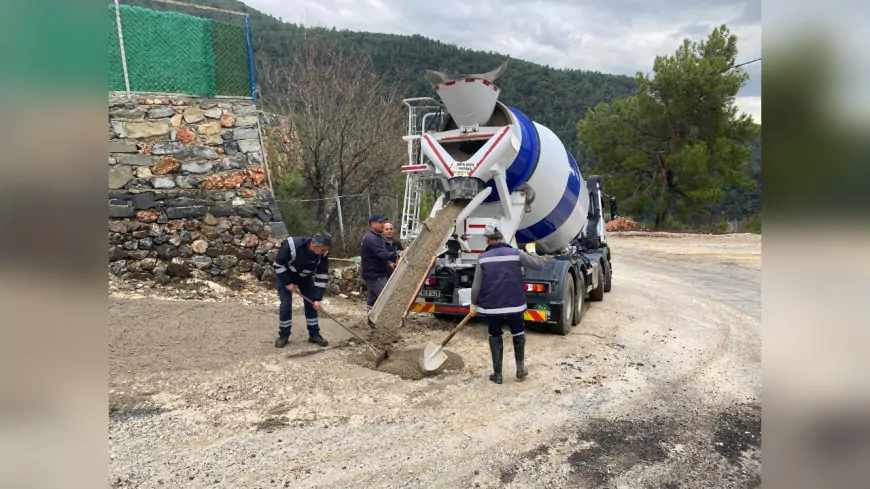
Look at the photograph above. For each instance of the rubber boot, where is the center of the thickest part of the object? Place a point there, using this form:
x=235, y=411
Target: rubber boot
x=495, y=347
x=519, y=354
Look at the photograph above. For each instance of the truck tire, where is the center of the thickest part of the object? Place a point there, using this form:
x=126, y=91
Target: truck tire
x=563, y=322
x=580, y=300
x=597, y=294
x=608, y=276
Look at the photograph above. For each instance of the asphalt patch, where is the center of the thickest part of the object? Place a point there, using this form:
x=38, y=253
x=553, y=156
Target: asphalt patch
x=737, y=430
x=508, y=476
x=617, y=446
x=538, y=452
x=686, y=449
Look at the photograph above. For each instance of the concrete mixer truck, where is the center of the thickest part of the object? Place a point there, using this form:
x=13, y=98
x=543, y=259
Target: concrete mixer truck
x=504, y=166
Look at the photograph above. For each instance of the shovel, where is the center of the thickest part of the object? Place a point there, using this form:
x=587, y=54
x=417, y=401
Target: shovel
x=378, y=358
x=433, y=355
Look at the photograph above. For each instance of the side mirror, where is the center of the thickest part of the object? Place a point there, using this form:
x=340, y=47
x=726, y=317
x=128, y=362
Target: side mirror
x=613, y=213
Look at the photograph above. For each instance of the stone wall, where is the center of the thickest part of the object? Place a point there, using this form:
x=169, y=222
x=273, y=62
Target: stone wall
x=188, y=193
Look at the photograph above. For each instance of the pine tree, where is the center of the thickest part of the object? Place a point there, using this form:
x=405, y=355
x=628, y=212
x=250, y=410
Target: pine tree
x=672, y=148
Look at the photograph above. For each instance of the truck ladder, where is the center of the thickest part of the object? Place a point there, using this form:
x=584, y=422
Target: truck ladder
x=421, y=111
x=411, y=207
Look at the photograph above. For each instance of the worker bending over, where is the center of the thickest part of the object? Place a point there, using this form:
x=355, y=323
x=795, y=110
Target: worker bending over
x=302, y=266
x=498, y=293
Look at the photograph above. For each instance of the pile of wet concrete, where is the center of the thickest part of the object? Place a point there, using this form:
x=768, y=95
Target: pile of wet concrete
x=406, y=363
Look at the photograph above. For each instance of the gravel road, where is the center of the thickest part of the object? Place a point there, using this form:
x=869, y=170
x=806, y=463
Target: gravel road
x=658, y=387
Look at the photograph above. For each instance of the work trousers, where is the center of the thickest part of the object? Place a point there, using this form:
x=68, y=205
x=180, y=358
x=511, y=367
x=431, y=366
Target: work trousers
x=514, y=321
x=285, y=310
x=375, y=288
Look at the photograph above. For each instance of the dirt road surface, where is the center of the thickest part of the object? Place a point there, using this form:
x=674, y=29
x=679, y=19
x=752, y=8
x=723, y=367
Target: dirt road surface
x=658, y=387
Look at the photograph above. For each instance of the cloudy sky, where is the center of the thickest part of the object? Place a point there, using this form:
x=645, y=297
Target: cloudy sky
x=610, y=36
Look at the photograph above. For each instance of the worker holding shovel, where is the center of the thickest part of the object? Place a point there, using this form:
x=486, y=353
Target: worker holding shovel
x=498, y=293
x=303, y=267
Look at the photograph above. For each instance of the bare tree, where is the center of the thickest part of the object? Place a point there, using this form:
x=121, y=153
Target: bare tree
x=347, y=121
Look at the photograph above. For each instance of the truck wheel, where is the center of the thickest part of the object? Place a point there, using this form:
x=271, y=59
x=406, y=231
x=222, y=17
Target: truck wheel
x=563, y=322
x=597, y=294
x=608, y=276
x=580, y=300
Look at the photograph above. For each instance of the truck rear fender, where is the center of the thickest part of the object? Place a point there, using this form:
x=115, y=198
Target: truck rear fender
x=553, y=274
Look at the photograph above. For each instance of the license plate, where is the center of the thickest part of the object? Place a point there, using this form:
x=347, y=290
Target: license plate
x=430, y=293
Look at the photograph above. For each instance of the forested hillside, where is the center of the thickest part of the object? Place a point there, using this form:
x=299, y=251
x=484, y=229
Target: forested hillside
x=553, y=97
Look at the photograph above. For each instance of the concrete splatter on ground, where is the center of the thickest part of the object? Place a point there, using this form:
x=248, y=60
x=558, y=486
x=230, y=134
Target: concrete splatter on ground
x=670, y=451
x=124, y=406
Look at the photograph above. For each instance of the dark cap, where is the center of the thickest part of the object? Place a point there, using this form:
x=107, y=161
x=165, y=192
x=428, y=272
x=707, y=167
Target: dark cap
x=322, y=238
x=378, y=218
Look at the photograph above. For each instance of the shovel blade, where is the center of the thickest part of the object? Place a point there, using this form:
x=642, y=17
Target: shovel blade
x=433, y=357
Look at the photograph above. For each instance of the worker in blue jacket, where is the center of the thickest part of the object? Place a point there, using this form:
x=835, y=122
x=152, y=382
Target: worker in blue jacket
x=498, y=294
x=392, y=243
x=376, y=259
x=302, y=266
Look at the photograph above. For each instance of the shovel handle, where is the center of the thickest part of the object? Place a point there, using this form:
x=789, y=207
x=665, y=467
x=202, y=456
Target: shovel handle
x=456, y=330
x=419, y=286
x=306, y=299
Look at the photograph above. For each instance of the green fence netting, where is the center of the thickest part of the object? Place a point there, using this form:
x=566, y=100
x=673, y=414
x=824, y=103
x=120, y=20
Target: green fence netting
x=232, y=73
x=178, y=53
x=116, y=71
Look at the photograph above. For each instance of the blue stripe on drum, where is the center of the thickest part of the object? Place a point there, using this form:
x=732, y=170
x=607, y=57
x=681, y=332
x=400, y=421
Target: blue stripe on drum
x=524, y=164
x=573, y=163
x=557, y=217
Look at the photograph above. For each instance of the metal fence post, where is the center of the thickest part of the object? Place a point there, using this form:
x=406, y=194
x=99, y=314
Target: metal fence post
x=369, y=201
x=121, y=45
x=250, y=58
x=340, y=220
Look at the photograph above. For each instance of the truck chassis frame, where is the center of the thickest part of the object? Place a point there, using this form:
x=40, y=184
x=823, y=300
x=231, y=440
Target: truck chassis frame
x=557, y=296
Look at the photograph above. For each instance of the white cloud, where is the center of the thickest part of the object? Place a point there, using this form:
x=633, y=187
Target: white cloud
x=750, y=105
